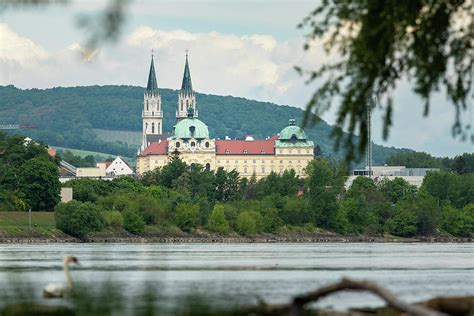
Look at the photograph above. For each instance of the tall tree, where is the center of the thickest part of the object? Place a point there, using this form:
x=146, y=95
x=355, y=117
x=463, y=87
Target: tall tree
x=377, y=44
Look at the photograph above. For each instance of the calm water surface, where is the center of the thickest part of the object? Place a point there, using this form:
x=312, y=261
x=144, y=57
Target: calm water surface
x=273, y=272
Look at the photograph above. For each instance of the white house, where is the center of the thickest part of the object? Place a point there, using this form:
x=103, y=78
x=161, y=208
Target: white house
x=118, y=167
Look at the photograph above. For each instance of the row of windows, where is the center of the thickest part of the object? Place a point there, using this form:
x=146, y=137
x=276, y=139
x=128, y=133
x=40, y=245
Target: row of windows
x=147, y=106
x=153, y=128
x=187, y=104
x=193, y=144
x=281, y=151
x=263, y=161
x=246, y=170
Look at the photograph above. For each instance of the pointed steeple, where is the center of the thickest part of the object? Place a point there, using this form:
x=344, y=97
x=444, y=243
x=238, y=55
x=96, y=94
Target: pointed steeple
x=152, y=86
x=186, y=86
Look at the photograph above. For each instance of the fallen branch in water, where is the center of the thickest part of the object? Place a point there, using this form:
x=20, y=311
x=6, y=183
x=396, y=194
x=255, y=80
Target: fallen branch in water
x=353, y=285
x=296, y=307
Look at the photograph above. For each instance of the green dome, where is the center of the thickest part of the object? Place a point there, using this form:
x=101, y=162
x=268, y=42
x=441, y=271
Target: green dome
x=292, y=132
x=191, y=127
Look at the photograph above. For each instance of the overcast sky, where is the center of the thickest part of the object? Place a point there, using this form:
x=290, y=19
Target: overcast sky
x=239, y=48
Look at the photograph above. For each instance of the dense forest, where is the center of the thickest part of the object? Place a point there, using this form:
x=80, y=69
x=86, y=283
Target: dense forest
x=66, y=117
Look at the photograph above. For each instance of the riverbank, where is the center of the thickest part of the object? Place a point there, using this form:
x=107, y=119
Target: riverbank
x=266, y=238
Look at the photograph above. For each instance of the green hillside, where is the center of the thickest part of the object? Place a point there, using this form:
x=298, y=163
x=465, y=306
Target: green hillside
x=88, y=118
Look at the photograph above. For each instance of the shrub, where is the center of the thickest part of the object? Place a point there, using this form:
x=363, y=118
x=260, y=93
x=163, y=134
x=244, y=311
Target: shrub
x=78, y=219
x=458, y=222
x=249, y=223
x=217, y=221
x=403, y=222
x=187, y=216
x=133, y=221
x=114, y=219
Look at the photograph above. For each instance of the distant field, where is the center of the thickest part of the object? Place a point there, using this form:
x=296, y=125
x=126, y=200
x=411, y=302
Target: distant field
x=84, y=153
x=97, y=155
x=129, y=137
x=17, y=222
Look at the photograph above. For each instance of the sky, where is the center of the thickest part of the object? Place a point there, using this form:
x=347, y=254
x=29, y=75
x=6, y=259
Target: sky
x=240, y=48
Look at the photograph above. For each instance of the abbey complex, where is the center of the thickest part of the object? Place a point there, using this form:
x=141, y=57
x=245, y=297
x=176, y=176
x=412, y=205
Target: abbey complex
x=190, y=139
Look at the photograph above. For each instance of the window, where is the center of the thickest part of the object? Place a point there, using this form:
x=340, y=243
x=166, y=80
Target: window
x=182, y=105
x=178, y=144
x=289, y=162
x=236, y=161
x=218, y=161
x=187, y=103
x=159, y=128
x=208, y=166
x=254, y=161
x=245, y=169
x=263, y=169
x=281, y=161
x=245, y=161
x=153, y=128
x=263, y=161
x=193, y=144
x=146, y=105
x=262, y=151
x=146, y=127
x=307, y=151
x=227, y=161
x=227, y=151
x=246, y=151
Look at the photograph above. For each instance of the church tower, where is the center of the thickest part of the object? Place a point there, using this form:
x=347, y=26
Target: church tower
x=186, y=96
x=152, y=114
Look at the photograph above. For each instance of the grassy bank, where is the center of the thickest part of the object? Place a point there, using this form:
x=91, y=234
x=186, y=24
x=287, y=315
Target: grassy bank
x=17, y=224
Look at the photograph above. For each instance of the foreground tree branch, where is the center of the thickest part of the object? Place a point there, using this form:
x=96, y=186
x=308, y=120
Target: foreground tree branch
x=348, y=284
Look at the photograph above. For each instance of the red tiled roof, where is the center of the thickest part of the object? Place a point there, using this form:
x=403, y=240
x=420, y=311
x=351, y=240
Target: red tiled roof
x=157, y=148
x=107, y=163
x=244, y=147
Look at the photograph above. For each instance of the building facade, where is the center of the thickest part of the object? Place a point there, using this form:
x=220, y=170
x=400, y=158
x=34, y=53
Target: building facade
x=190, y=140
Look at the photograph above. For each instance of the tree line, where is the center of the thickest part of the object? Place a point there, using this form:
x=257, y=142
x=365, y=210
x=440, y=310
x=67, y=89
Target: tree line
x=188, y=198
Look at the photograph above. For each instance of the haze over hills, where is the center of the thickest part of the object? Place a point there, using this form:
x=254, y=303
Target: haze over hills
x=108, y=118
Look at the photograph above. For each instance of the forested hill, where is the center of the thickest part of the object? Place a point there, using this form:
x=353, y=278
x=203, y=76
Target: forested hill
x=69, y=117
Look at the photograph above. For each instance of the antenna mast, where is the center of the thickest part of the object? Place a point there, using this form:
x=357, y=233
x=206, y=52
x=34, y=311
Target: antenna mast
x=368, y=155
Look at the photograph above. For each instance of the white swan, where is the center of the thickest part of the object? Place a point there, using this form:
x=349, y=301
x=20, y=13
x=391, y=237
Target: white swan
x=58, y=289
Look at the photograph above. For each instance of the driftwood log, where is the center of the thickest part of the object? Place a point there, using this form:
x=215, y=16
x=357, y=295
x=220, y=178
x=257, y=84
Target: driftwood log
x=463, y=306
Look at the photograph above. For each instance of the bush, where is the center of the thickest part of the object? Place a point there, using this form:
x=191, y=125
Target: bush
x=187, y=216
x=458, y=222
x=249, y=223
x=402, y=223
x=217, y=221
x=114, y=219
x=133, y=221
x=78, y=219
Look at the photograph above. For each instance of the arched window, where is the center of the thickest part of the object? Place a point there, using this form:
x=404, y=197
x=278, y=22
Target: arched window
x=178, y=144
x=153, y=128
x=193, y=144
x=146, y=105
x=187, y=103
x=159, y=128
x=208, y=166
x=182, y=105
x=207, y=144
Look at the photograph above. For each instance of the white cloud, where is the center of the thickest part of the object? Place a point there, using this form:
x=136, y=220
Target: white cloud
x=253, y=66
x=17, y=49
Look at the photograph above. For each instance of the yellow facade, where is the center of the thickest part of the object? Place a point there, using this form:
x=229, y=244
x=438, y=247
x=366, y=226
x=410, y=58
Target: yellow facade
x=246, y=165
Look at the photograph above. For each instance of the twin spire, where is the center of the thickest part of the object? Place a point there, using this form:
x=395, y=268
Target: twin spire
x=186, y=86
x=152, y=86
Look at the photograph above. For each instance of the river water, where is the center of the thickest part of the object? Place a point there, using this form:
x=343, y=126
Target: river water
x=245, y=272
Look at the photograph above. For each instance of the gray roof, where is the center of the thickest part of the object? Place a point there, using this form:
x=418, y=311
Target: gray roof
x=187, y=86
x=152, y=86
